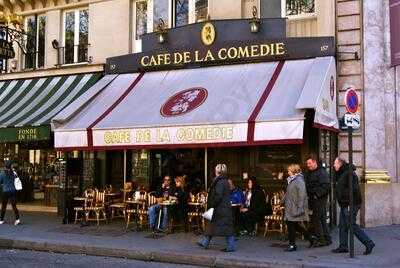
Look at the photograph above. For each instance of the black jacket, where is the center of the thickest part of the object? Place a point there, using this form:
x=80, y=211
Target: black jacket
x=342, y=187
x=219, y=198
x=182, y=207
x=160, y=191
x=317, y=184
x=258, y=203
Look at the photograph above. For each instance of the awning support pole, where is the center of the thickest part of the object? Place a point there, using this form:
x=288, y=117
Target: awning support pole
x=124, y=170
x=205, y=167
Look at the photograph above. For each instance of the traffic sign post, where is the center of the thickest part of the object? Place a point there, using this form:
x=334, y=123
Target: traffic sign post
x=351, y=120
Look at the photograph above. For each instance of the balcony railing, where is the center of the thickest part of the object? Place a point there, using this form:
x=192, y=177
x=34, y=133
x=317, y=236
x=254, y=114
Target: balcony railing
x=73, y=54
x=299, y=7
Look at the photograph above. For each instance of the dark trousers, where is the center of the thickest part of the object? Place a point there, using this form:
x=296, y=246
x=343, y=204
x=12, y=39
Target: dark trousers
x=318, y=221
x=248, y=220
x=344, y=228
x=13, y=200
x=293, y=227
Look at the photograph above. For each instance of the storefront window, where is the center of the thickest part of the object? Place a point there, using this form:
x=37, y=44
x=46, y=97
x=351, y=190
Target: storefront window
x=140, y=161
x=299, y=7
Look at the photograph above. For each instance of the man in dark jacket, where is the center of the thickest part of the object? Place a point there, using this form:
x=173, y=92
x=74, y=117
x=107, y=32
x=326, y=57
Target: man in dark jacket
x=222, y=220
x=318, y=187
x=343, y=198
x=7, y=178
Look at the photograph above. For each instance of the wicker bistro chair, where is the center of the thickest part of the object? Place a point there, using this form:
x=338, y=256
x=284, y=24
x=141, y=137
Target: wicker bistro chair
x=80, y=211
x=137, y=210
x=98, y=208
x=196, y=211
x=275, y=221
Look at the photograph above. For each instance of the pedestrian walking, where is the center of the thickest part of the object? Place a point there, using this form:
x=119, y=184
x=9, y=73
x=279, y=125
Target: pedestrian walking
x=221, y=223
x=318, y=187
x=343, y=199
x=7, y=178
x=296, y=206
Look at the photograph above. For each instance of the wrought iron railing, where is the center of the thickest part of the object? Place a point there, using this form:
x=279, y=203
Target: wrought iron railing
x=73, y=54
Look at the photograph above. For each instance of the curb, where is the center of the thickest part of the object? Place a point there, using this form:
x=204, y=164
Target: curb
x=145, y=255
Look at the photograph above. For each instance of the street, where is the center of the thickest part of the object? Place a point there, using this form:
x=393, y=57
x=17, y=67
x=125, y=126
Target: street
x=24, y=258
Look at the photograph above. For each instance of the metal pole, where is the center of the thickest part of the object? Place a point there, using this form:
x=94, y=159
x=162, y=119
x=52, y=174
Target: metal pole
x=351, y=242
x=205, y=167
x=6, y=60
x=124, y=169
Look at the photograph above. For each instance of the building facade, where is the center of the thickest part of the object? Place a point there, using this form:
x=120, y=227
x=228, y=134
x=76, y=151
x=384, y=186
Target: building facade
x=76, y=37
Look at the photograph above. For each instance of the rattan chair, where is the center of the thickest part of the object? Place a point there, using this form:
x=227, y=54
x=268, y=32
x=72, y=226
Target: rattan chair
x=80, y=210
x=97, y=208
x=275, y=221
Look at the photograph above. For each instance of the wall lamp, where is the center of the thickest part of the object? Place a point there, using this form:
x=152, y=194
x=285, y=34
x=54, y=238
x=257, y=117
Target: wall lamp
x=255, y=21
x=161, y=31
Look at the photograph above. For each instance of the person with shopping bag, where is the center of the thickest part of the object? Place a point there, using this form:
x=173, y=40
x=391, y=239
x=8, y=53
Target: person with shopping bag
x=9, y=182
x=219, y=205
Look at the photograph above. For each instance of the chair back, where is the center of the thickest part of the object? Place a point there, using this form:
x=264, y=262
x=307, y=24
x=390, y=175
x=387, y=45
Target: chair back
x=100, y=198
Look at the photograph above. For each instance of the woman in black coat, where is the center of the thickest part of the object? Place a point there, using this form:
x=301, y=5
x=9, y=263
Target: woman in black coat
x=254, y=209
x=222, y=220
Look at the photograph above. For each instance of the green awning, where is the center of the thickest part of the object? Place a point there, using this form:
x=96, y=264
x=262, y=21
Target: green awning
x=28, y=105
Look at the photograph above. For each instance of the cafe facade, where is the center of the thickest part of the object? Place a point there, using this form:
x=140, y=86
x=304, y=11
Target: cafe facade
x=255, y=101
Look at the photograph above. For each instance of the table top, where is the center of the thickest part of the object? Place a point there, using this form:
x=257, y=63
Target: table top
x=196, y=204
x=236, y=205
x=113, y=194
x=135, y=201
x=168, y=203
x=78, y=198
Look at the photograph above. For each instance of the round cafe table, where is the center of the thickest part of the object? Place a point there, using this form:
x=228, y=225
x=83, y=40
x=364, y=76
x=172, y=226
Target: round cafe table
x=136, y=203
x=163, y=204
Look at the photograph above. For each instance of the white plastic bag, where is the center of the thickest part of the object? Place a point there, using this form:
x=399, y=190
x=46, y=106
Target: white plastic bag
x=17, y=182
x=208, y=214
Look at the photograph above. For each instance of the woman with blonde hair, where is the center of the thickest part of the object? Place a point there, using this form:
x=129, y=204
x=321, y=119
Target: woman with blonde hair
x=296, y=206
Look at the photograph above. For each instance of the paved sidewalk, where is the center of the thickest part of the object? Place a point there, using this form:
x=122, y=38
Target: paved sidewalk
x=44, y=232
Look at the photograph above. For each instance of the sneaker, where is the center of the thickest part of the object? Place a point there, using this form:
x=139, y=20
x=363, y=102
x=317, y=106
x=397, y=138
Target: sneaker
x=369, y=247
x=291, y=248
x=227, y=250
x=340, y=250
x=17, y=222
x=1, y=222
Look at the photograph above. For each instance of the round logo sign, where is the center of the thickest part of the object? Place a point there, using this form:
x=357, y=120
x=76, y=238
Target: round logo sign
x=352, y=101
x=208, y=34
x=184, y=102
x=332, y=87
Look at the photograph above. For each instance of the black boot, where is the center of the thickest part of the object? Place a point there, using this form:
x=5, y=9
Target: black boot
x=368, y=248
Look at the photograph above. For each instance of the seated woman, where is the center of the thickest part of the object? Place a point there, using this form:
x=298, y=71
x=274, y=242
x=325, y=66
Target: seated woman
x=254, y=208
x=181, y=209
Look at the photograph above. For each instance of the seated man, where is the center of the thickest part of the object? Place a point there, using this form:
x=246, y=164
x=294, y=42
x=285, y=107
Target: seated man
x=237, y=196
x=164, y=192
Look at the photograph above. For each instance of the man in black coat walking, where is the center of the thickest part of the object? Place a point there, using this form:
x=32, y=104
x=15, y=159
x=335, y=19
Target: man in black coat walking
x=222, y=219
x=318, y=187
x=343, y=198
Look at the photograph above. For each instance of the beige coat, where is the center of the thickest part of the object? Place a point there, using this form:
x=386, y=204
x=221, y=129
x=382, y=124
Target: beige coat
x=296, y=201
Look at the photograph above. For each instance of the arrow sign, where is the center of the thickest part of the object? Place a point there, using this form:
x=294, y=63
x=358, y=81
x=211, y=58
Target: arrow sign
x=352, y=120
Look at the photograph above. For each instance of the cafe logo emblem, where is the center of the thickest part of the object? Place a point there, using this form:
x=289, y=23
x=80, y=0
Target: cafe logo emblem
x=332, y=87
x=184, y=102
x=208, y=34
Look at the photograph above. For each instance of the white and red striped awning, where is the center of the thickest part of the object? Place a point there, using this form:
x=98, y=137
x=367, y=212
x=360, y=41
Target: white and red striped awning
x=261, y=103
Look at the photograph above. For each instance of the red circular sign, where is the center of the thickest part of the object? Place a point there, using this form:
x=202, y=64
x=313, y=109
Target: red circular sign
x=352, y=102
x=184, y=101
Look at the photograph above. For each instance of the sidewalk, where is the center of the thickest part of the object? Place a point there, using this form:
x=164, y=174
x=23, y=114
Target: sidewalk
x=44, y=232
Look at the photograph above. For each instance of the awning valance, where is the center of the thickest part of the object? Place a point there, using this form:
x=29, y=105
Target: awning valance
x=28, y=105
x=215, y=106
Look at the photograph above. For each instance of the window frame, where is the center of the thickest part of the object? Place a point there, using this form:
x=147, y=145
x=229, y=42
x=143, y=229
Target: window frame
x=298, y=16
x=150, y=18
x=36, y=17
x=76, y=34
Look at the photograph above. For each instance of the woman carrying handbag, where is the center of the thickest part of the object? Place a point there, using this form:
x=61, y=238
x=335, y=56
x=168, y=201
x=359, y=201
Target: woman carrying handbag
x=8, y=180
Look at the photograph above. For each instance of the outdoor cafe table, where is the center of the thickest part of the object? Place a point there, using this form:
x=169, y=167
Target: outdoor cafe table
x=136, y=203
x=163, y=204
x=85, y=201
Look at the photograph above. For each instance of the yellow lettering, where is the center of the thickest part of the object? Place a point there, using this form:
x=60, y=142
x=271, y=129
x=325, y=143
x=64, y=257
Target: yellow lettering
x=254, y=51
x=265, y=49
x=280, y=48
x=186, y=57
x=145, y=61
x=209, y=56
x=232, y=53
x=177, y=58
x=243, y=52
x=222, y=54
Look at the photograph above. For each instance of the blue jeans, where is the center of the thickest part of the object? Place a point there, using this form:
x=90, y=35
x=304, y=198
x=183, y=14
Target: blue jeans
x=153, y=216
x=344, y=228
x=230, y=241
